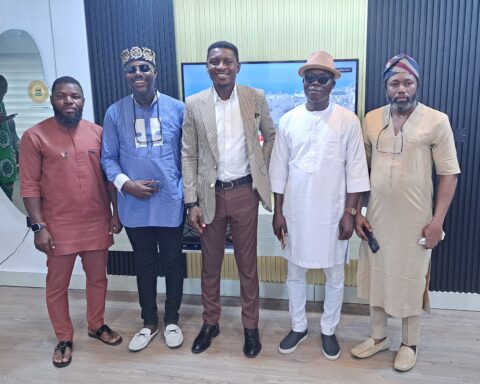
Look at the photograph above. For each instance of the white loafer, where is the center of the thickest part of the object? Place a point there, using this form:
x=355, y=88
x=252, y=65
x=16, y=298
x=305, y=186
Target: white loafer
x=369, y=348
x=173, y=336
x=405, y=359
x=141, y=339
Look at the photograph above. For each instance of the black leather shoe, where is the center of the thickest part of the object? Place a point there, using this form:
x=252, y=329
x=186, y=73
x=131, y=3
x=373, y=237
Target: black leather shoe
x=252, y=346
x=204, y=338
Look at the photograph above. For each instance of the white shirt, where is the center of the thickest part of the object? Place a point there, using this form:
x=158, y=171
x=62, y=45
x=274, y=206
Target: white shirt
x=317, y=158
x=232, y=142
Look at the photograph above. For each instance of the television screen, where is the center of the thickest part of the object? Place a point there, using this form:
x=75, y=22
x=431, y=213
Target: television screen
x=280, y=81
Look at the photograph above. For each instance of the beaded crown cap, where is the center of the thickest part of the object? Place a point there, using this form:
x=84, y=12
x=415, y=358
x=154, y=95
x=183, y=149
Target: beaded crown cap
x=137, y=53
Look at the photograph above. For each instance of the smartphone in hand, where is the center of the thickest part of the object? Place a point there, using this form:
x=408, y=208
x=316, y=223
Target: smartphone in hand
x=372, y=242
x=155, y=184
x=4, y=117
x=283, y=240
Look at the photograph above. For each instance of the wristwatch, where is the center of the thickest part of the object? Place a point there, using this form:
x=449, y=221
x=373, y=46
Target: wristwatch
x=189, y=206
x=38, y=227
x=351, y=211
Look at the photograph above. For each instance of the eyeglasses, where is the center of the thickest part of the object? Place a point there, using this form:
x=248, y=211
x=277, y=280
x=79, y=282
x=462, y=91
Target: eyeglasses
x=139, y=134
x=142, y=68
x=382, y=146
x=321, y=79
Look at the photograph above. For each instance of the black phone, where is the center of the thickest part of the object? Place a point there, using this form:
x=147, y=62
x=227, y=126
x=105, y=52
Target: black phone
x=155, y=184
x=372, y=242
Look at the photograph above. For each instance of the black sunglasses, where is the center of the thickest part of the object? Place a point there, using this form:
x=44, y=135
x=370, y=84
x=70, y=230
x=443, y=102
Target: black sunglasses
x=321, y=79
x=142, y=68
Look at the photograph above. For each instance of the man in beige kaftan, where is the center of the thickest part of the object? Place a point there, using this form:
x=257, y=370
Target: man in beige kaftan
x=403, y=140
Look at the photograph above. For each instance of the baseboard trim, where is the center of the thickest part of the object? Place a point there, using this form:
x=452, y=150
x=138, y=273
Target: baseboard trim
x=438, y=300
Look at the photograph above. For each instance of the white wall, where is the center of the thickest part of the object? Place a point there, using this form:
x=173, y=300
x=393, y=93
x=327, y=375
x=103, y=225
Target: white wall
x=58, y=28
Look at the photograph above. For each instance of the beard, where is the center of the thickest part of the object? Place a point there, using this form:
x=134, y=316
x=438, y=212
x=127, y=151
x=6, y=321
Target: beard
x=403, y=106
x=68, y=121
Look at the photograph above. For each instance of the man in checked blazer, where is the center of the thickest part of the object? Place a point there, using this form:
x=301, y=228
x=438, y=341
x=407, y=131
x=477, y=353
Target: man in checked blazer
x=225, y=175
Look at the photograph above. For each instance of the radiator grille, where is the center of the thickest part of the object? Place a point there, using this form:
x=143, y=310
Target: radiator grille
x=271, y=269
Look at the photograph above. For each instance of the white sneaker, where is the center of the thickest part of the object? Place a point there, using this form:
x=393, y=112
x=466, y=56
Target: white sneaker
x=173, y=336
x=141, y=339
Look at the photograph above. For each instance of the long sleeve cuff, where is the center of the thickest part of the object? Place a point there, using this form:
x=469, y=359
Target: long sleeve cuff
x=120, y=180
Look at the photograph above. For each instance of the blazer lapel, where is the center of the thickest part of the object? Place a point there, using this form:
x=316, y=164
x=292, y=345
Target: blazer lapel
x=207, y=110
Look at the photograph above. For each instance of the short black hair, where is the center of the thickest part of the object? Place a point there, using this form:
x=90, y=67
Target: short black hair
x=66, y=80
x=223, y=44
x=3, y=82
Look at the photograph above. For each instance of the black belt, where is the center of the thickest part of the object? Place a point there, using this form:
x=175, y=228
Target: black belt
x=234, y=183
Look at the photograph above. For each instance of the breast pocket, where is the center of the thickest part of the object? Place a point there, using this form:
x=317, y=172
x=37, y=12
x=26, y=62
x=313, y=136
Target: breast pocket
x=163, y=147
x=94, y=153
x=93, y=156
x=331, y=149
x=415, y=156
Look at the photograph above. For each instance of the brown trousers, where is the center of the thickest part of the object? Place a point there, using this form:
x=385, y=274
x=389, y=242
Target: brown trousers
x=58, y=279
x=239, y=207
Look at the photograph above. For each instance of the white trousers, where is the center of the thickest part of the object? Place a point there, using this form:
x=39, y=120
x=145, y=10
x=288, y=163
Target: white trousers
x=297, y=294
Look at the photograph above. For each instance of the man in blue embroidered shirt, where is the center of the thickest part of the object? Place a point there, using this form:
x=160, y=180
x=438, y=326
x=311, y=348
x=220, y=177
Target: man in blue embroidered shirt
x=141, y=156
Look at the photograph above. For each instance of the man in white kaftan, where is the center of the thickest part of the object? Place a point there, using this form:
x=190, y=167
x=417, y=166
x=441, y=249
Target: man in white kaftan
x=318, y=170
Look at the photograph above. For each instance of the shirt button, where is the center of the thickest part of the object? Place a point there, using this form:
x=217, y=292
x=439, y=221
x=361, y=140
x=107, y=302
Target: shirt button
x=212, y=185
x=215, y=167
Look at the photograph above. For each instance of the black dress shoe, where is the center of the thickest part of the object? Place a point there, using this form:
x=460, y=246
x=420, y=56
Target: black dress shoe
x=252, y=344
x=204, y=338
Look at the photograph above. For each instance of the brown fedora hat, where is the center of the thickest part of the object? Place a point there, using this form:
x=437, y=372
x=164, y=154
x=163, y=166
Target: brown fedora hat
x=320, y=60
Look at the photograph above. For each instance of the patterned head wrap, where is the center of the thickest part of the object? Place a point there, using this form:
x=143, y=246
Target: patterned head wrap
x=401, y=63
x=137, y=53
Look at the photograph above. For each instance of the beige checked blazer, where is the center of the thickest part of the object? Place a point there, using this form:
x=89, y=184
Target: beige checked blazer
x=200, y=148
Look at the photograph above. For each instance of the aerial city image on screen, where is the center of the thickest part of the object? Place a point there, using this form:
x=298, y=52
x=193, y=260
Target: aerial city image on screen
x=280, y=80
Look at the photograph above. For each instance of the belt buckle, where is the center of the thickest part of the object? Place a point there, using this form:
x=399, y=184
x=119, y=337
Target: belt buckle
x=224, y=183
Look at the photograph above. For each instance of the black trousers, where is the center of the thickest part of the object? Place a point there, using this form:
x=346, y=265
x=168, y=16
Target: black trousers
x=150, y=243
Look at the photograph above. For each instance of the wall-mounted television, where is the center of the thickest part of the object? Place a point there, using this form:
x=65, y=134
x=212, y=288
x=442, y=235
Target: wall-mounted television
x=281, y=82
